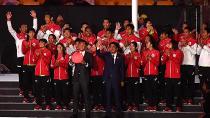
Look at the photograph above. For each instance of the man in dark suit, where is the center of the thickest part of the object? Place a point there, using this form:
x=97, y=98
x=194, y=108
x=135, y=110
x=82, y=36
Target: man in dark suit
x=113, y=76
x=81, y=79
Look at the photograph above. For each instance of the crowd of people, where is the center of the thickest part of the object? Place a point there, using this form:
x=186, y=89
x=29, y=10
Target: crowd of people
x=136, y=67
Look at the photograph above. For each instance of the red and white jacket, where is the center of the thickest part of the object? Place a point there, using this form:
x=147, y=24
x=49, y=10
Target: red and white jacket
x=60, y=69
x=89, y=39
x=28, y=48
x=42, y=61
x=143, y=33
x=101, y=34
x=51, y=28
x=98, y=66
x=52, y=48
x=133, y=63
x=162, y=46
x=173, y=62
x=150, y=65
x=19, y=37
x=65, y=41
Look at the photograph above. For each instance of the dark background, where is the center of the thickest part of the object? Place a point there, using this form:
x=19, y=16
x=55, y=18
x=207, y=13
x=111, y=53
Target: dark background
x=75, y=15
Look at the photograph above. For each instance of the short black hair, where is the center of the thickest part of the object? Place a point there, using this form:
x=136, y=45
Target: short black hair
x=31, y=29
x=84, y=23
x=43, y=40
x=67, y=29
x=131, y=26
x=54, y=37
x=152, y=41
x=81, y=41
x=116, y=44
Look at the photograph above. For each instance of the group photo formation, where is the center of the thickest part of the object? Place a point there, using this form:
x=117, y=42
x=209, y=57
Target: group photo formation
x=105, y=59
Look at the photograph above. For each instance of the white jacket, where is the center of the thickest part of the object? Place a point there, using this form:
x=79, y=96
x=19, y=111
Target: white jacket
x=189, y=54
x=204, y=60
x=18, y=42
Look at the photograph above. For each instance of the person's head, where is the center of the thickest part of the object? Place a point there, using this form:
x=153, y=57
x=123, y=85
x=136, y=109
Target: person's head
x=206, y=32
x=42, y=43
x=133, y=46
x=31, y=33
x=150, y=44
x=82, y=45
x=108, y=33
x=93, y=47
x=88, y=31
x=126, y=22
x=83, y=26
x=59, y=18
x=106, y=23
x=184, y=25
x=76, y=43
x=113, y=47
x=173, y=45
x=129, y=29
x=164, y=35
x=23, y=28
x=60, y=48
x=142, y=18
x=148, y=23
x=67, y=32
x=51, y=38
x=48, y=18
x=186, y=30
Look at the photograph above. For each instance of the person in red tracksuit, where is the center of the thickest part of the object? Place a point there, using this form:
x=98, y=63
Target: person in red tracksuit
x=148, y=30
x=97, y=86
x=132, y=62
x=42, y=58
x=150, y=62
x=28, y=47
x=173, y=59
x=89, y=36
x=60, y=65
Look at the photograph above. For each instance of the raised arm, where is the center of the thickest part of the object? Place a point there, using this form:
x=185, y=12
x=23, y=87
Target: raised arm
x=9, y=25
x=33, y=15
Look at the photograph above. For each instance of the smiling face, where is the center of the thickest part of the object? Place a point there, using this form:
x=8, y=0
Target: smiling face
x=112, y=48
x=132, y=47
x=106, y=24
x=23, y=28
x=59, y=48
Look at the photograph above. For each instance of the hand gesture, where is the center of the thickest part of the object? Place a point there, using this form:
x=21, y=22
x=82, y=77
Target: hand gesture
x=117, y=26
x=9, y=15
x=175, y=31
x=33, y=13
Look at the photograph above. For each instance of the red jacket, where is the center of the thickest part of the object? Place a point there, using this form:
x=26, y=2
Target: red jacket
x=42, y=61
x=52, y=27
x=98, y=66
x=150, y=65
x=107, y=41
x=101, y=33
x=162, y=44
x=28, y=48
x=127, y=39
x=22, y=36
x=133, y=63
x=173, y=62
x=65, y=41
x=90, y=39
x=52, y=48
x=60, y=69
x=143, y=33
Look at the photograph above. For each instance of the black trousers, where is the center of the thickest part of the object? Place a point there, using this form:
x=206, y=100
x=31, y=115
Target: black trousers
x=151, y=90
x=113, y=85
x=62, y=92
x=204, y=76
x=52, y=87
x=28, y=80
x=161, y=84
x=20, y=71
x=132, y=90
x=80, y=85
x=173, y=89
x=97, y=90
x=42, y=86
x=188, y=81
